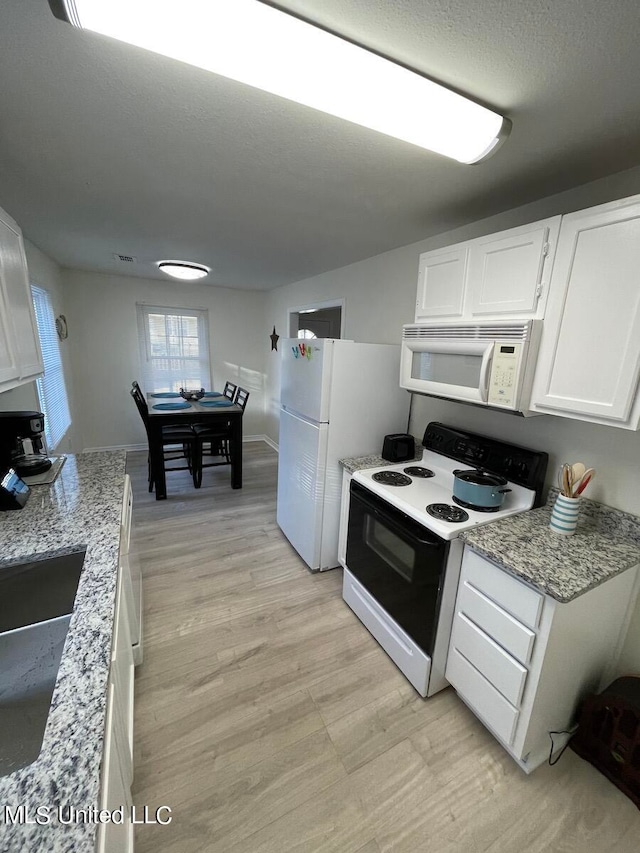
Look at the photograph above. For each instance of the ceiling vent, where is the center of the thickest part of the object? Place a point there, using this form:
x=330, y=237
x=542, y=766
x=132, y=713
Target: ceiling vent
x=125, y=259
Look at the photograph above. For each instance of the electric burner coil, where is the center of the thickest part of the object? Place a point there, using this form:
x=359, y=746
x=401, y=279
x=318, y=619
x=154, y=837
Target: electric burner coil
x=446, y=512
x=391, y=478
x=419, y=471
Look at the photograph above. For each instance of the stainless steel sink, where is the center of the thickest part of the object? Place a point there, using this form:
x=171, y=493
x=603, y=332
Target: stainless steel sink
x=36, y=601
x=38, y=590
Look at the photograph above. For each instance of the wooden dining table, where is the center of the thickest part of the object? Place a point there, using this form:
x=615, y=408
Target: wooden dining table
x=211, y=416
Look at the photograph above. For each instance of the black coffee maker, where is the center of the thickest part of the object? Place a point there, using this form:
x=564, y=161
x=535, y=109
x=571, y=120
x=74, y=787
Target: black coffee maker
x=22, y=443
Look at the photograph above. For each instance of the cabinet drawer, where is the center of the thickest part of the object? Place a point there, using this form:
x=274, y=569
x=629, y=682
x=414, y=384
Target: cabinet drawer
x=498, y=667
x=514, y=596
x=484, y=699
x=496, y=622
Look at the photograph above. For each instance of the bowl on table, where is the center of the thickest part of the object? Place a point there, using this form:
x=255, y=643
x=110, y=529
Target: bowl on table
x=192, y=395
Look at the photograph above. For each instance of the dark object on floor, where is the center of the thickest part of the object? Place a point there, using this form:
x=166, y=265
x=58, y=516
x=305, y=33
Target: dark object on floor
x=608, y=734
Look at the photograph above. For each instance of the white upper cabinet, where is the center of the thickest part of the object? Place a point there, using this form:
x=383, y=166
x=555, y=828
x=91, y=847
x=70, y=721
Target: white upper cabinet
x=504, y=274
x=589, y=360
x=441, y=283
x=20, y=355
x=507, y=271
x=9, y=368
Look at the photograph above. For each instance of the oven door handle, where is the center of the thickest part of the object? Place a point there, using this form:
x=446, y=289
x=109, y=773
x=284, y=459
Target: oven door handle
x=372, y=506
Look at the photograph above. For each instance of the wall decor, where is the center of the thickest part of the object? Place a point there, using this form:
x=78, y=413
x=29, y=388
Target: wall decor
x=61, y=327
x=274, y=340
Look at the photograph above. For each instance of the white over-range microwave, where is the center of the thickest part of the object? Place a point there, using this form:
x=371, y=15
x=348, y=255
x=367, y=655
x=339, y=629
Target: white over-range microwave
x=486, y=363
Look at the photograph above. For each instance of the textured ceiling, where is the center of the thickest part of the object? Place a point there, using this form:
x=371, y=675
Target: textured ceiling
x=105, y=148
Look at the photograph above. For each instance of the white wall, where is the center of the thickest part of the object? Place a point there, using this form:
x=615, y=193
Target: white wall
x=380, y=296
x=44, y=273
x=103, y=337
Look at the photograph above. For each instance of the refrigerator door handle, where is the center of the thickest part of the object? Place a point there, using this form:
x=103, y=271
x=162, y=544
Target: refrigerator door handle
x=301, y=417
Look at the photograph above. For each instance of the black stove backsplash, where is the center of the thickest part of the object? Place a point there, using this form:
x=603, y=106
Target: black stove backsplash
x=519, y=464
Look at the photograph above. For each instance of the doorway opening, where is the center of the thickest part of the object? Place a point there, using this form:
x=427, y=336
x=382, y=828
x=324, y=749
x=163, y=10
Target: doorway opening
x=323, y=320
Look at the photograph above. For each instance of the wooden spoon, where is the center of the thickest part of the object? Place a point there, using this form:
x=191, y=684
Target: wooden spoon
x=583, y=482
x=578, y=470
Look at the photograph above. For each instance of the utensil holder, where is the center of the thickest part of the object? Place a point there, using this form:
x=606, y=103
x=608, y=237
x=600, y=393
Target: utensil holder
x=564, y=515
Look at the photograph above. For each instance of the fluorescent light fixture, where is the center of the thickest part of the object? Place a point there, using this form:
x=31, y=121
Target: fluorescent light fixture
x=256, y=44
x=183, y=270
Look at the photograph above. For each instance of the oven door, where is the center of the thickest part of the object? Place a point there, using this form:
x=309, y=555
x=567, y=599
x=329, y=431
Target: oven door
x=457, y=370
x=399, y=562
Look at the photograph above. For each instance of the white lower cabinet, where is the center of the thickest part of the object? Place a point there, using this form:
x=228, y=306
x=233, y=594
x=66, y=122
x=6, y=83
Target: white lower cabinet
x=500, y=668
x=117, y=760
x=523, y=661
x=132, y=577
x=115, y=791
x=479, y=694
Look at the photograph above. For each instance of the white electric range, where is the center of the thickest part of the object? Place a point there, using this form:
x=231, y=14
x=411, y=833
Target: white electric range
x=403, y=552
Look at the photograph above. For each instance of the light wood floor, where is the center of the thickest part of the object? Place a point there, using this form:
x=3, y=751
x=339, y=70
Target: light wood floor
x=269, y=720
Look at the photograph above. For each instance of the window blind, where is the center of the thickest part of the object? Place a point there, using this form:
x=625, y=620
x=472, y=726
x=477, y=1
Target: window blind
x=52, y=391
x=174, y=348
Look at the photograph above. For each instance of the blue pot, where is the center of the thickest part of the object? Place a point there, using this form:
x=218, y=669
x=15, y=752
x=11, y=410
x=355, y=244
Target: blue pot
x=478, y=488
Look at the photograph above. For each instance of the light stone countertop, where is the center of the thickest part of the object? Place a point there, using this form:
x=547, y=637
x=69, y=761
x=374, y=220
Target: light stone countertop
x=351, y=464
x=80, y=509
x=606, y=543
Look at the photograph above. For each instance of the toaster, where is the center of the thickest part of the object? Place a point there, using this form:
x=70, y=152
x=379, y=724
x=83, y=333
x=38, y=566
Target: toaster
x=398, y=447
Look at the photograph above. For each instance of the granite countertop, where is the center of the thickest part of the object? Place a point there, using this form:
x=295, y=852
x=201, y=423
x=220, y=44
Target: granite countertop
x=351, y=464
x=606, y=542
x=81, y=509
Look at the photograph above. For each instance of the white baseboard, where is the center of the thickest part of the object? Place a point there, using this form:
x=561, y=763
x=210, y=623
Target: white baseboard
x=132, y=447
x=115, y=447
x=270, y=442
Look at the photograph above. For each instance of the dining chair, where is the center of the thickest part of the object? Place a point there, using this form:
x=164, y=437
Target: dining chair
x=241, y=398
x=217, y=439
x=230, y=391
x=183, y=436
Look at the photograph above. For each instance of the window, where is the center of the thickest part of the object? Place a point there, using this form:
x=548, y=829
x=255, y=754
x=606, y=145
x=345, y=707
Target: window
x=306, y=333
x=174, y=348
x=52, y=391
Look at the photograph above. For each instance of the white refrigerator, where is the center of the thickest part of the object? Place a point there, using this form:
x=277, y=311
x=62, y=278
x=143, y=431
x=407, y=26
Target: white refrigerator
x=338, y=398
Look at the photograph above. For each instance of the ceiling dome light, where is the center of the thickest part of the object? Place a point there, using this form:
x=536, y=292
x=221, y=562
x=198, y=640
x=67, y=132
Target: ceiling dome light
x=183, y=270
